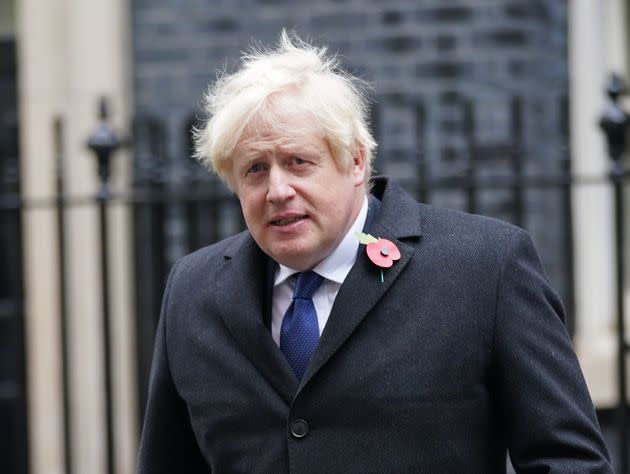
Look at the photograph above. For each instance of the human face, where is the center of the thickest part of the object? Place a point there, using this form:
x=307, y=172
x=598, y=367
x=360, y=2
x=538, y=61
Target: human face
x=297, y=202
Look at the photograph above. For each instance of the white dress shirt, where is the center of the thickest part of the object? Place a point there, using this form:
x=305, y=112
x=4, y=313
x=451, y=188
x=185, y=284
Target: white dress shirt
x=334, y=269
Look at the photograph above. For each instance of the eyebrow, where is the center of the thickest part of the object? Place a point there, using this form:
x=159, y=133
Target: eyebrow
x=256, y=150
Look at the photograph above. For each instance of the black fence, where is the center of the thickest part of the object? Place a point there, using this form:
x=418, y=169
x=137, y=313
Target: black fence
x=177, y=206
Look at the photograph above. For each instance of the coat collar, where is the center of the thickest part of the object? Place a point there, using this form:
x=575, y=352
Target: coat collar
x=399, y=211
x=245, y=290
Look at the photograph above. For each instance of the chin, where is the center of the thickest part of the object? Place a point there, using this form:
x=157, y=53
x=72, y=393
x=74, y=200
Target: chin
x=297, y=260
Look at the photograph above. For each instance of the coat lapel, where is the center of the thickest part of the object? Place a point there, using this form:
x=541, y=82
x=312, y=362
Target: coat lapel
x=244, y=290
x=398, y=221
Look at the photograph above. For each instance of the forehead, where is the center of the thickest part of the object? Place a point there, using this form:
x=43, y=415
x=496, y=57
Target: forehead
x=290, y=131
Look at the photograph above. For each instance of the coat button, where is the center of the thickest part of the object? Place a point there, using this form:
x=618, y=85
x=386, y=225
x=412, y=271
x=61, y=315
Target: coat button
x=299, y=428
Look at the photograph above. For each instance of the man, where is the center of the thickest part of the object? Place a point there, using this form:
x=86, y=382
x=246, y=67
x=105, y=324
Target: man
x=289, y=348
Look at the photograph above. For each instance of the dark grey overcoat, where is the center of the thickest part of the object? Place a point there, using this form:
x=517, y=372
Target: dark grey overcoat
x=460, y=355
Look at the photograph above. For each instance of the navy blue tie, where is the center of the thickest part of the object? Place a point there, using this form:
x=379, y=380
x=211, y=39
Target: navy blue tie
x=299, y=332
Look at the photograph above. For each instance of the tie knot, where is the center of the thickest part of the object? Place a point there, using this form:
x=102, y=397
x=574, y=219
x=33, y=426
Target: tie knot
x=306, y=285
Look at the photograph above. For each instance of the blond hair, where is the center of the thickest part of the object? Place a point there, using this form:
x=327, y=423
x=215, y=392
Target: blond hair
x=334, y=98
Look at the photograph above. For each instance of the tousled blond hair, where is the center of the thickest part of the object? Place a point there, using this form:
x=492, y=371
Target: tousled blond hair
x=333, y=98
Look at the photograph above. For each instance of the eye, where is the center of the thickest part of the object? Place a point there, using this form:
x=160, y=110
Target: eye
x=298, y=161
x=256, y=168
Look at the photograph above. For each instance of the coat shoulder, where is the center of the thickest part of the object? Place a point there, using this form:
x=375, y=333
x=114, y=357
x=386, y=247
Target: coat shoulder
x=449, y=222
x=472, y=237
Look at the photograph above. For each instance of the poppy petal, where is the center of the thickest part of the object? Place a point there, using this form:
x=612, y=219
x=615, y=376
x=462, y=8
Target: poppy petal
x=374, y=253
x=394, y=253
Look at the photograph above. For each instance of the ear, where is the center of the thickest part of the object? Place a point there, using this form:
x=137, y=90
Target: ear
x=358, y=166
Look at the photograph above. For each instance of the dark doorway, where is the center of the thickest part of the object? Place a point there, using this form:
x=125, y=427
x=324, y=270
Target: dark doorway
x=13, y=435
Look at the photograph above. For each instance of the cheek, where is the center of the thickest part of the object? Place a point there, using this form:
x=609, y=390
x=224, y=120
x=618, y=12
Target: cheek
x=333, y=210
x=248, y=207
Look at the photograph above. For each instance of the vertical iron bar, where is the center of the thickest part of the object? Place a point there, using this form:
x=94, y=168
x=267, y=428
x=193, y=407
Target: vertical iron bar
x=617, y=175
x=423, y=191
x=518, y=198
x=471, y=166
x=215, y=213
x=63, y=300
x=103, y=142
x=567, y=224
x=102, y=199
x=193, y=217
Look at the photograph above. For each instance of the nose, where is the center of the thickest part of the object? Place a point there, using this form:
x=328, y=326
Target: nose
x=280, y=188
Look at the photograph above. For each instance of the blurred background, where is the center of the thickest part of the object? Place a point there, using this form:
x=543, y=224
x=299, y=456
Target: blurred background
x=489, y=106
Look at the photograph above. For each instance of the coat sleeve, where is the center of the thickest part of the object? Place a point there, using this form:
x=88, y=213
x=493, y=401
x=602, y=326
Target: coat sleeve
x=547, y=413
x=168, y=443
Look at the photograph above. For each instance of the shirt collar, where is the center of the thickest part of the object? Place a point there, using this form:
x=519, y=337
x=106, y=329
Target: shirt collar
x=338, y=264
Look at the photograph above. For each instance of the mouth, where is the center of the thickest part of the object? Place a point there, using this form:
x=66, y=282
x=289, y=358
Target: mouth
x=287, y=221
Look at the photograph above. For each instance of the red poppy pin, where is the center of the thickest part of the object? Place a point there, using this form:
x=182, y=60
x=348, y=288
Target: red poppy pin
x=382, y=252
